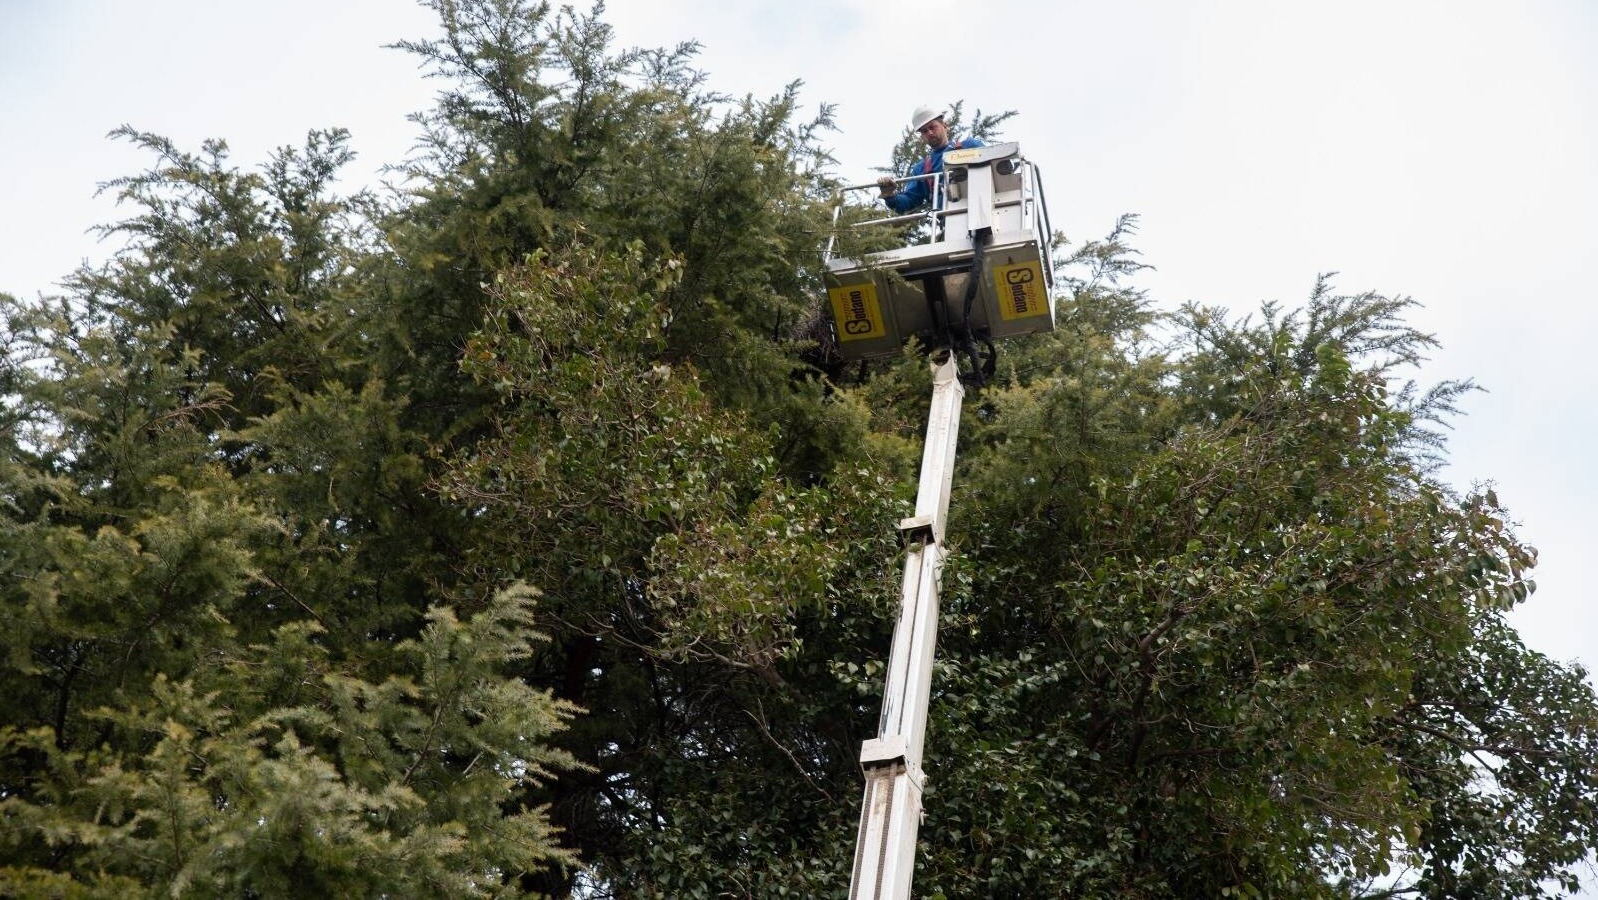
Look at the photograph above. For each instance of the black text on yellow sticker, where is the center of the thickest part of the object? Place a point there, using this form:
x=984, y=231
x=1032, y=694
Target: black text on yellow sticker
x=1019, y=290
x=856, y=311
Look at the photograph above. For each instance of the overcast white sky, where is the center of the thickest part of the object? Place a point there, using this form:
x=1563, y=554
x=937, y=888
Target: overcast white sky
x=1443, y=149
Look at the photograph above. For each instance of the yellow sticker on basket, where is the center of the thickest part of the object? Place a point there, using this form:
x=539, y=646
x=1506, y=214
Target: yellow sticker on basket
x=856, y=312
x=957, y=157
x=1019, y=290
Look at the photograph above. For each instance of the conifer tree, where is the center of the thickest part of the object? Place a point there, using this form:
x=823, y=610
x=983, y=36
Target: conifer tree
x=220, y=678
x=495, y=537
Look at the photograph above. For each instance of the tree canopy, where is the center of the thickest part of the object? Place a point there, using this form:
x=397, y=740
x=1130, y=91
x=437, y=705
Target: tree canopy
x=500, y=535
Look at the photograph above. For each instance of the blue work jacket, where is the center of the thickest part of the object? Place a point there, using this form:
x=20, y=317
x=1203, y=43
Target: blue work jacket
x=915, y=192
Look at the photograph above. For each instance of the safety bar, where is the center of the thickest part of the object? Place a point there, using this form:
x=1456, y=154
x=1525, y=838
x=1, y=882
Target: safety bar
x=1046, y=235
x=1035, y=210
x=928, y=216
x=903, y=179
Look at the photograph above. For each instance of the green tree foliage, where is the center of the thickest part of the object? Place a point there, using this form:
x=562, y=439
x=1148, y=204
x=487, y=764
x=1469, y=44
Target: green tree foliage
x=495, y=538
x=222, y=677
x=1217, y=660
x=292, y=775
x=682, y=563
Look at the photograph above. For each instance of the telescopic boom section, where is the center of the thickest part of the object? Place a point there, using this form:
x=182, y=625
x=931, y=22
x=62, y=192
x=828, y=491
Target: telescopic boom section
x=890, y=812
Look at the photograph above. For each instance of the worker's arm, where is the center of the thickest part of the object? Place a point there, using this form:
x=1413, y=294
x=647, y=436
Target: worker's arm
x=913, y=195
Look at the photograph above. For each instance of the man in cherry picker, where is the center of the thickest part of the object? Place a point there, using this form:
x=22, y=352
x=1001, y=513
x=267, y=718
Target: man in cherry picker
x=934, y=131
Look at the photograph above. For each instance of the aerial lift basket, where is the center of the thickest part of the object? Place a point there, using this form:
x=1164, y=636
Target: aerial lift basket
x=988, y=221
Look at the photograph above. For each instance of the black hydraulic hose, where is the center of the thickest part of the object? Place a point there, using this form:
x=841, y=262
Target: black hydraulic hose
x=973, y=283
x=979, y=246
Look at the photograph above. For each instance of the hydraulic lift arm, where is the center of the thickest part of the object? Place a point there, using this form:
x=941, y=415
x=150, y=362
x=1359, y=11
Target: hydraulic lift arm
x=984, y=274
x=890, y=812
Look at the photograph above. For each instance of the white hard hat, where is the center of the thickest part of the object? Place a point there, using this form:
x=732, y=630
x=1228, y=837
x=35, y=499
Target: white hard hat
x=923, y=115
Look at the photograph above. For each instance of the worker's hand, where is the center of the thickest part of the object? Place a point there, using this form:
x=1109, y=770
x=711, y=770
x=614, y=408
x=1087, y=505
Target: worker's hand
x=886, y=185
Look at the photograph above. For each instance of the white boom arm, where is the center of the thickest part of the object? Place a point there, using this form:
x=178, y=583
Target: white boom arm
x=885, y=850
